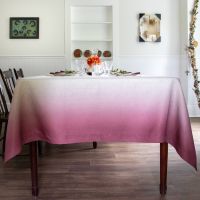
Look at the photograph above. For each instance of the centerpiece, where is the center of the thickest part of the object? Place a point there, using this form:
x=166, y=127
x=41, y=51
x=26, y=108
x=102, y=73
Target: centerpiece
x=93, y=64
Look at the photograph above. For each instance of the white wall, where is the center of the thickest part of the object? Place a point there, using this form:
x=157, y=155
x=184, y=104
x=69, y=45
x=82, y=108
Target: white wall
x=150, y=58
x=184, y=62
x=51, y=14
x=35, y=56
x=169, y=10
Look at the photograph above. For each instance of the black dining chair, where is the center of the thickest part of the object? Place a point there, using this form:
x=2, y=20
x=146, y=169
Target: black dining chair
x=4, y=113
x=9, y=82
x=18, y=73
x=3, y=119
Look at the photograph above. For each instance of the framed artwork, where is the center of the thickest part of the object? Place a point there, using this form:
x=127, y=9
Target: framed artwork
x=24, y=27
x=149, y=27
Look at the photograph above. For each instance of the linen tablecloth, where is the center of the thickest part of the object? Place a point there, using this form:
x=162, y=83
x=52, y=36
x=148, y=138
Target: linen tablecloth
x=62, y=110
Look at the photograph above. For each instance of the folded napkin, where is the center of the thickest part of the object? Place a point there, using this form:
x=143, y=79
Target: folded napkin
x=64, y=73
x=120, y=72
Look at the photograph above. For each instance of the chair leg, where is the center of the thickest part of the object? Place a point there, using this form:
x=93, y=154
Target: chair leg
x=4, y=140
x=1, y=138
x=0, y=128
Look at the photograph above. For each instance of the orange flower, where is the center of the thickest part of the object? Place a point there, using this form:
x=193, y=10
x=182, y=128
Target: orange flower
x=93, y=60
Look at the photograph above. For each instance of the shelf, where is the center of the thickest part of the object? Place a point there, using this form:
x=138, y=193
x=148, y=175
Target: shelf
x=92, y=40
x=91, y=23
x=84, y=58
x=91, y=13
x=90, y=6
x=91, y=28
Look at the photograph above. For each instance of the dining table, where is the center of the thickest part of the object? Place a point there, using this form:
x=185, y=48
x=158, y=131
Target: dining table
x=76, y=109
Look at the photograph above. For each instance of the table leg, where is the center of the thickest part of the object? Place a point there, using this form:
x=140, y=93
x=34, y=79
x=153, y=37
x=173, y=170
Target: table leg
x=163, y=167
x=34, y=168
x=39, y=145
x=94, y=145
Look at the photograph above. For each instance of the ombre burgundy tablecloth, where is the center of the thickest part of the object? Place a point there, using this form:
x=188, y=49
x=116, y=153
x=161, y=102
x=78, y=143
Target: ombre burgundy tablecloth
x=62, y=110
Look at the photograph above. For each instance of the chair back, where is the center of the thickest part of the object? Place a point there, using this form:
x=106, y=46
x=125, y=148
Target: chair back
x=3, y=119
x=3, y=105
x=9, y=82
x=18, y=73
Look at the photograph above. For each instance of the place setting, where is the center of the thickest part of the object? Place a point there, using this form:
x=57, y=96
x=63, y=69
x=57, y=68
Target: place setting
x=94, y=66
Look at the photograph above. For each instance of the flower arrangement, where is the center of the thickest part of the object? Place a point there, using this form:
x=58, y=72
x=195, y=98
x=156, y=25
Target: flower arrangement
x=93, y=60
x=193, y=44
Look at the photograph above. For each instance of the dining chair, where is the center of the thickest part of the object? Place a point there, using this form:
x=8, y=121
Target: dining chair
x=18, y=73
x=3, y=119
x=4, y=113
x=9, y=82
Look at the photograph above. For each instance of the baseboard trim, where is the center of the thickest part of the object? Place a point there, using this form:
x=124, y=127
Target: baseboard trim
x=194, y=110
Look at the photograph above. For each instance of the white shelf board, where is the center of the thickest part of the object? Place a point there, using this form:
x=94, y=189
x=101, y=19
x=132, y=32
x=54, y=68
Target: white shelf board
x=91, y=23
x=92, y=40
x=84, y=58
x=89, y=6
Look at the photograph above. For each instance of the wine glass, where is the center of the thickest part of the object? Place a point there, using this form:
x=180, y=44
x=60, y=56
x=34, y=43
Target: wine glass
x=110, y=67
x=107, y=67
x=75, y=65
x=98, y=69
x=82, y=67
x=79, y=66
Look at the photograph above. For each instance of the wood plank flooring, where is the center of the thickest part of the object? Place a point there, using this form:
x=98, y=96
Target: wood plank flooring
x=113, y=171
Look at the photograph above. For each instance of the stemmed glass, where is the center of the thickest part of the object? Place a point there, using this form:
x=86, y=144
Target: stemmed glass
x=107, y=67
x=80, y=66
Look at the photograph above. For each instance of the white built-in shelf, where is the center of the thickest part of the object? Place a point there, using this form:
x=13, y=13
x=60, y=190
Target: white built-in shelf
x=91, y=27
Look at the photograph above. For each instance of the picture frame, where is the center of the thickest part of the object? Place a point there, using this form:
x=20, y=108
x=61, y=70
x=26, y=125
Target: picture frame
x=149, y=27
x=24, y=27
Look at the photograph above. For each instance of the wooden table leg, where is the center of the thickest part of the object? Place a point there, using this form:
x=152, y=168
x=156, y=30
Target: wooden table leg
x=94, y=145
x=39, y=145
x=163, y=167
x=34, y=168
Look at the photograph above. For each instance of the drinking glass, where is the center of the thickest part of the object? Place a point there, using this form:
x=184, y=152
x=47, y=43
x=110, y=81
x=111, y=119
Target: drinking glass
x=82, y=67
x=98, y=69
x=107, y=67
x=79, y=66
x=110, y=66
x=75, y=65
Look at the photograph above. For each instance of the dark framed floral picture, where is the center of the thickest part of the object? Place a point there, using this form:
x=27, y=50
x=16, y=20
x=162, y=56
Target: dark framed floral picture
x=24, y=27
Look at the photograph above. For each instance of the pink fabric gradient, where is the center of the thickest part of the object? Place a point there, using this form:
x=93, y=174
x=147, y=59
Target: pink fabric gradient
x=62, y=110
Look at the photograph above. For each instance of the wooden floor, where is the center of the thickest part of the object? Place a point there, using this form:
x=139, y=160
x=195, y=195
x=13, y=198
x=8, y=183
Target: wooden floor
x=117, y=171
